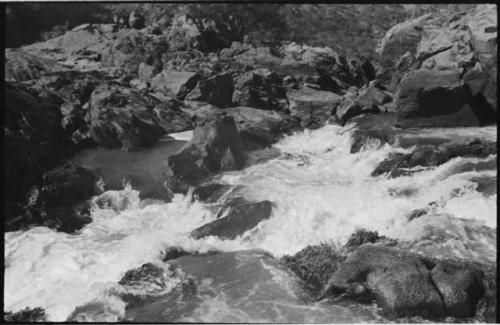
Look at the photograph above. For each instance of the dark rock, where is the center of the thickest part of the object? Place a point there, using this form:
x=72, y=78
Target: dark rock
x=461, y=288
x=26, y=315
x=262, y=89
x=210, y=193
x=59, y=201
x=204, y=113
x=440, y=98
x=261, y=128
x=400, y=281
x=175, y=83
x=34, y=143
x=213, y=148
x=315, y=264
x=433, y=156
x=173, y=252
x=361, y=237
x=313, y=107
x=237, y=221
x=216, y=90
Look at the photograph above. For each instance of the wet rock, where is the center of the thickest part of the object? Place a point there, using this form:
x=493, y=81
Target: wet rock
x=210, y=193
x=260, y=128
x=125, y=118
x=60, y=200
x=461, y=288
x=237, y=221
x=427, y=156
x=400, y=281
x=174, y=83
x=260, y=88
x=315, y=264
x=202, y=113
x=313, y=107
x=373, y=130
x=214, y=147
x=370, y=100
x=27, y=314
x=216, y=90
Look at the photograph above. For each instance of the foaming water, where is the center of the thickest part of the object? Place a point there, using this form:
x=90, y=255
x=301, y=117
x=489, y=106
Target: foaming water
x=321, y=192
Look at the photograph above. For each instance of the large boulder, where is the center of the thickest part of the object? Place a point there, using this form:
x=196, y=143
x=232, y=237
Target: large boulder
x=124, y=118
x=261, y=128
x=462, y=40
x=174, y=83
x=262, y=89
x=238, y=220
x=401, y=282
x=216, y=90
x=214, y=147
x=313, y=107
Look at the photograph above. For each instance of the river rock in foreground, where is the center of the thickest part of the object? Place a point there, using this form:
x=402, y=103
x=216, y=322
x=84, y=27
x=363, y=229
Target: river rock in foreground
x=239, y=219
x=405, y=284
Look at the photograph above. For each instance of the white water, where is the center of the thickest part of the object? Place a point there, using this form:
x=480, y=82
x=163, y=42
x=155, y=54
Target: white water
x=321, y=193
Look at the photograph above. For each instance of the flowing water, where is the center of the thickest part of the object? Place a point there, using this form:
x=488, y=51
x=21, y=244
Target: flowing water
x=321, y=192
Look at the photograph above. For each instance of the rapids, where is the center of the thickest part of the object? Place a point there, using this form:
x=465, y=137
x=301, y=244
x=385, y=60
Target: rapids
x=321, y=192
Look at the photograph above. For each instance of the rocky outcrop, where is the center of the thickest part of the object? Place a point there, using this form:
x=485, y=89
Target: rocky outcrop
x=260, y=128
x=237, y=220
x=313, y=107
x=124, y=118
x=453, y=51
x=261, y=89
x=433, y=156
x=214, y=147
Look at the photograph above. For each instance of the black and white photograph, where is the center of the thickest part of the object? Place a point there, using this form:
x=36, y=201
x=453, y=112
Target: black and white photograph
x=249, y=162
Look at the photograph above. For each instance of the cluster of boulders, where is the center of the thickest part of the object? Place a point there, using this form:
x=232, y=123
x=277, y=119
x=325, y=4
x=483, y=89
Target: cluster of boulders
x=118, y=86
